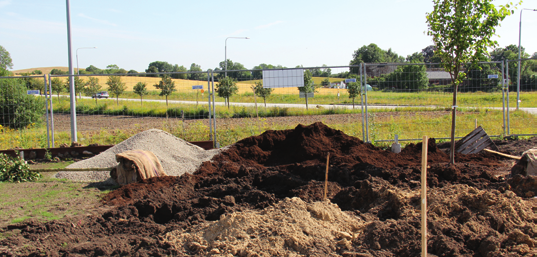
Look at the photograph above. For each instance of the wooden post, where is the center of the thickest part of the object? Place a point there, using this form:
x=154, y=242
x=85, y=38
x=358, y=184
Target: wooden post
x=424, y=197
x=326, y=176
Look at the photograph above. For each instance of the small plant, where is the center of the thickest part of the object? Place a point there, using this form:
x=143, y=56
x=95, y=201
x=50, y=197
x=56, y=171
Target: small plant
x=14, y=169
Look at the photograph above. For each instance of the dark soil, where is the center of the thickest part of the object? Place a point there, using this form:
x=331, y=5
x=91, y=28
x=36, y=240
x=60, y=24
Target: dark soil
x=258, y=171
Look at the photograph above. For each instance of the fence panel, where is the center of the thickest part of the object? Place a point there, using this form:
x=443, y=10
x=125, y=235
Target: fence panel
x=113, y=107
x=22, y=112
x=412, y=100
x=252, y=111
x=523, y=96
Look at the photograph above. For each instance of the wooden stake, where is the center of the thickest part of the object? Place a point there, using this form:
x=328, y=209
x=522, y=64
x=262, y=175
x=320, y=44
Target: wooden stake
x=424, y=197
x=503, y=154
x=326, y=176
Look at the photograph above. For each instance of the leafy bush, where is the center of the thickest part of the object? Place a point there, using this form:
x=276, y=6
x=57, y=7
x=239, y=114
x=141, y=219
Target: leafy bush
x=14, y=169
x=18, y=109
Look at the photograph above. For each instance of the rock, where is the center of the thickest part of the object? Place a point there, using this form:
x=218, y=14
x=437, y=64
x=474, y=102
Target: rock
x=87, y=152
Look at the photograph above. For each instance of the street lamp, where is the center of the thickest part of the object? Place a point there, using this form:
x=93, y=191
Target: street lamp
x=225, y=60
x=78, y=69
x=519, y=39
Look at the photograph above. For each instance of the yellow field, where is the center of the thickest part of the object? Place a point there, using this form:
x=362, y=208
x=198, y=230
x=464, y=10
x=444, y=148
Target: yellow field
x=183, y=85
x=45, y=70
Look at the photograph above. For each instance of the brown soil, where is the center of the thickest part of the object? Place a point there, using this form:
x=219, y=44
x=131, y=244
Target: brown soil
x=472, y=210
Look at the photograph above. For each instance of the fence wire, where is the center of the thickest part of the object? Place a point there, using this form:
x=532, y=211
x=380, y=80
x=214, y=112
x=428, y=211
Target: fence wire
x=374, y=102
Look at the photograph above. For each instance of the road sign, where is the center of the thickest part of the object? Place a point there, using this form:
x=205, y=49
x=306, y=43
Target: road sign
x=493, y=76
x=197, y=87
x=350, y=80
x=202, y=91
x=32, y=92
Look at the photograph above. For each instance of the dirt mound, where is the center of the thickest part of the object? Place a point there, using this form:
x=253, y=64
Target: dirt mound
x=289, y=227
x=470, y=211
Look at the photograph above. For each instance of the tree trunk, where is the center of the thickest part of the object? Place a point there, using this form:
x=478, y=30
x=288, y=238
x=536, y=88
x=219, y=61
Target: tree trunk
x=117, y=99
x=306, y=94
x=265, y=100
x=166, y=102
x=141, y=101
x=353, y=103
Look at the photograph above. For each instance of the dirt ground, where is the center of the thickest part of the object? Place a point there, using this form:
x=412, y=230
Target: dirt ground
x=62, y=122
x=264, y=197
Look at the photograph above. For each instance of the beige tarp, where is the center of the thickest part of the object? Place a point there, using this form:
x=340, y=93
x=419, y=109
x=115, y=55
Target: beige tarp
x=527, y=165
x=136, y=165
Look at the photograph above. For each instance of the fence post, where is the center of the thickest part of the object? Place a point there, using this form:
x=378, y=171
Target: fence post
x=46, y=108
x=214, y=112
x=366, y=112
x=507, y=94
x=51, y=109
x=503, y=95
x=362, y=101
x=209, y=102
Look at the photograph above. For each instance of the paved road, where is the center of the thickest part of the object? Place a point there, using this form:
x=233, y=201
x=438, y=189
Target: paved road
x=532, y=110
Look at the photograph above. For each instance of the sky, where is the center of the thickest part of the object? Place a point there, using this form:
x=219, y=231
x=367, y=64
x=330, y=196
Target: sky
x=134, y=33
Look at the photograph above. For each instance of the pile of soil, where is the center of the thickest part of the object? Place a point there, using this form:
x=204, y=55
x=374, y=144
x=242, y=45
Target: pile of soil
x=253, y=184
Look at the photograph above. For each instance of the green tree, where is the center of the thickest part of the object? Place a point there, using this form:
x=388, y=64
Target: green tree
x=5, y=59
x=227, y=87
x=166, y=86
x=325, y=82
x=462, y=32
x=92, y=87
x=159, y=66
x=37, y=72
x=308, y=87
x=373, y=54
x=132, y=72
x=141, y=89
x=79, y=86
x=93, y=70
x=18, y=109
x=354, y=90
x=177, y=68
x=57, y=86
x=510, y=52
x=239, y=75
x=262, y=92
x=116, y=87
x=193, y=69
x=429, y=56
x=416, y=57
x=57, y=72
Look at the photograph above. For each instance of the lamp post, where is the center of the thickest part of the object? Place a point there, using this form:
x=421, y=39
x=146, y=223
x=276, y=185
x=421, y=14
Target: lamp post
x=519, y=50
x=78, y=69
x=225, y=58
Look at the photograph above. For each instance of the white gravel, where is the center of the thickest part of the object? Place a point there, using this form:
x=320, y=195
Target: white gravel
x=176, y=155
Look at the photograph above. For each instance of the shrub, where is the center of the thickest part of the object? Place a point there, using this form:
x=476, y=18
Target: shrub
x=14, y=169
x=19, y=109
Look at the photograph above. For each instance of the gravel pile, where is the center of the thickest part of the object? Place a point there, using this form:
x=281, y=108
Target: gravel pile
x=176, y=155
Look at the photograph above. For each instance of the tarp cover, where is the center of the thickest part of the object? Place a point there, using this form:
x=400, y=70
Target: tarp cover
x=527, y=165
x=146, y=165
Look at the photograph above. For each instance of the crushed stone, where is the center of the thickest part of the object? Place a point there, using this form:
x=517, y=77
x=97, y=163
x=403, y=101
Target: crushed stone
x=176, y=155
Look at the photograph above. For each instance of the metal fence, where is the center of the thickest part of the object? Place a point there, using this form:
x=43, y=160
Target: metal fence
x=375, y=102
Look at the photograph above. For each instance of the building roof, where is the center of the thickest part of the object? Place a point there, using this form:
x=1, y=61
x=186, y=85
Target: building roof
x=438, y=75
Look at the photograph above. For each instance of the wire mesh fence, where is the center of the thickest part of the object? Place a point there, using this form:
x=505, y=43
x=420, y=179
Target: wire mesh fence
x=372, y=101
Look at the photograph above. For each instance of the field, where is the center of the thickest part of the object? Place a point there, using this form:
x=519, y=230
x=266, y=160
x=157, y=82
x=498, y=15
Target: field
x=264, y=195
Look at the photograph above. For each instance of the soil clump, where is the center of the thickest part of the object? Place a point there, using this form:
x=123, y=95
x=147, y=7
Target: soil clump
x=472, y=211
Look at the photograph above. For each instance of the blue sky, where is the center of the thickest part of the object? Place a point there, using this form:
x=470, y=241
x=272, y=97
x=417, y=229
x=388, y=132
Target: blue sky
x=134, y=33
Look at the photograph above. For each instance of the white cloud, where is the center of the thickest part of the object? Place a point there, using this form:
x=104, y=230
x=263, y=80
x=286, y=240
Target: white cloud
x=5, y=3
x=268, y=25
x=105, y=22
